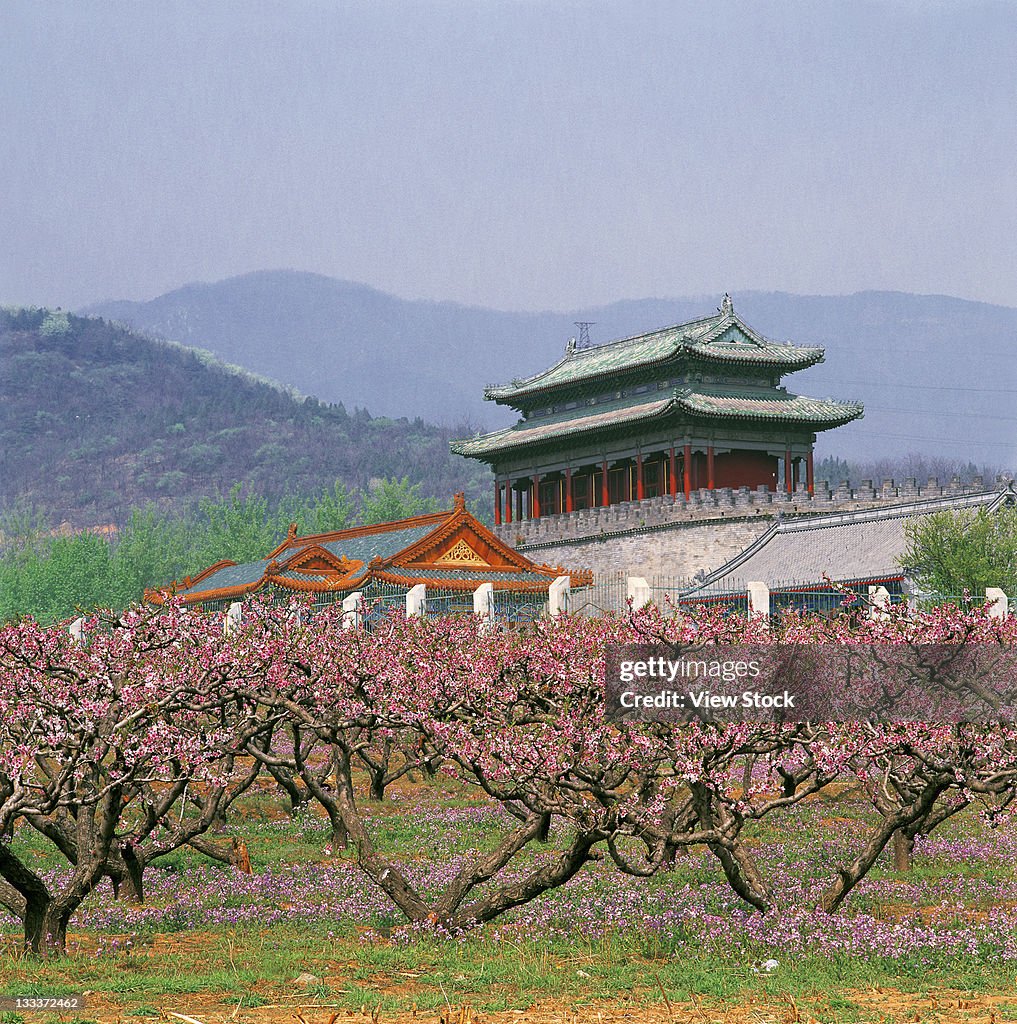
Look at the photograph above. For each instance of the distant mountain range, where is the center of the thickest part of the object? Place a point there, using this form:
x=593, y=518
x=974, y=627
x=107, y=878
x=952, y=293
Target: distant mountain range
x=938, y=375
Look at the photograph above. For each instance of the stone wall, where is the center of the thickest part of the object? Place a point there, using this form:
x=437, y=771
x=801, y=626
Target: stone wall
x=674, y=537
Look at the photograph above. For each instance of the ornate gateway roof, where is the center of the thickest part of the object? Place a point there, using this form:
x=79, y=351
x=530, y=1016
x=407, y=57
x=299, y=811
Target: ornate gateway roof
x=448, y=550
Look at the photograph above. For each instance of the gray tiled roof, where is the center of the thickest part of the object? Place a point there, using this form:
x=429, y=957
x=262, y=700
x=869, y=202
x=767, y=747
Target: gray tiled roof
x=848, y=547
x=382, y=545
x=232, y=576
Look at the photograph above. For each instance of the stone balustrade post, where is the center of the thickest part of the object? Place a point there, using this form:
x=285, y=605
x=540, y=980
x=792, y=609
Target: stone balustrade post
x=1000, y=606
x=559, y=595
x=483, y=604
x=638, y=591
x=353, y=610
x=416, y=601
x=879, y=602
x=234, y=616
x=759, y=600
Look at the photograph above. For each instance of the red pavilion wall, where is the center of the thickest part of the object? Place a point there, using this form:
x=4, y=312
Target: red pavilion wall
x=745, y=469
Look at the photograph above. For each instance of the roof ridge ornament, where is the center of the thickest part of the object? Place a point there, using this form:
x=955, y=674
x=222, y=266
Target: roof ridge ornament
x=726, y=306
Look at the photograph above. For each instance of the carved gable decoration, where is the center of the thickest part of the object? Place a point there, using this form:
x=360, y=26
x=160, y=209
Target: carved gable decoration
x=317, y=559
x=461, y=554
x=313, y=564
x=735, y=335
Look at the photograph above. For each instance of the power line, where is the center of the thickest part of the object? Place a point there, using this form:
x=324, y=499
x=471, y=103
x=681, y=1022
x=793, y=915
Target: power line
x=918, y=387
x=936, y=412
x=940, y=440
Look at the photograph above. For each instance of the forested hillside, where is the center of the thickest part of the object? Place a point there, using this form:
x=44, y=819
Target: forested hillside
x=96, y=420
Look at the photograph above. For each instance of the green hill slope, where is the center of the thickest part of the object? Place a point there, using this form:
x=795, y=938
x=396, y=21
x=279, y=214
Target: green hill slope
x=95, y=420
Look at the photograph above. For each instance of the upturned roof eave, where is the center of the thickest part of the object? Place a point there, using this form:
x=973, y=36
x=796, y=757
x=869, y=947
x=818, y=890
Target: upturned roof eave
x=854, y=411
x=500, y=392
x=460, y=447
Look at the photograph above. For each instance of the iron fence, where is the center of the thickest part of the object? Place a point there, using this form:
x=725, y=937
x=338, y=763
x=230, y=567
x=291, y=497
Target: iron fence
x=381, y=600
x=449, y=602
x=515, y=607
x=609, y=595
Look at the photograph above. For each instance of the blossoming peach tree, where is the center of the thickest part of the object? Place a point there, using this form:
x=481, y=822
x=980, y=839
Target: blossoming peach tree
x=99, y=741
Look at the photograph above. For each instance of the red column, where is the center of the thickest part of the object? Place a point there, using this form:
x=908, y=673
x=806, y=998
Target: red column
x=605, y=494
x=810, y=473
x=709, y=467
x=688, y=471
x=497, y=503
x=568, y=489
x=508, y=501
x=640, y=490
x=672, y=476
x=787, y=471
x=535, y=501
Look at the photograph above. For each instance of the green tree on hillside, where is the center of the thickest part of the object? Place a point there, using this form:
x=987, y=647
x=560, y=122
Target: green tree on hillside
x=387, y=500
x=334, y=509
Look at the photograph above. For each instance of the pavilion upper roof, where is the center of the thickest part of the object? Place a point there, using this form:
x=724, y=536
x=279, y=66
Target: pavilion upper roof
x=723, y=337
x=771, y=405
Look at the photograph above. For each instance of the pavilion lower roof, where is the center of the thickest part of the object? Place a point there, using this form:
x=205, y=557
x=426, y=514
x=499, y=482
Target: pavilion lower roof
x=769, y=405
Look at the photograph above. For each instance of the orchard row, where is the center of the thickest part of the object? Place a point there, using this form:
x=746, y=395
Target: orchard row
x=135, y=740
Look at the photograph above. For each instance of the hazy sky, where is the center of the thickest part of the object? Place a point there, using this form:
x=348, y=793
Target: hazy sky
x=520, y=154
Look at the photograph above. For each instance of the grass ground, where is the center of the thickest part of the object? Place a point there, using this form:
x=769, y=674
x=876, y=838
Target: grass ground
x=307, y=939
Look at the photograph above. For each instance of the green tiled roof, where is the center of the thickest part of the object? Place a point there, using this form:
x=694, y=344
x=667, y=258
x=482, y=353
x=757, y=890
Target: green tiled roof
x=300, y=577
x=562, y=425
x=723, y=338
x=231, y=576
x=772, y=404
x=381, y=545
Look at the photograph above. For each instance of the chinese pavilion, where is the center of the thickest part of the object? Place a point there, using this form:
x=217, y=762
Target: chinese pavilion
x=695, y=405
x=446, y=551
